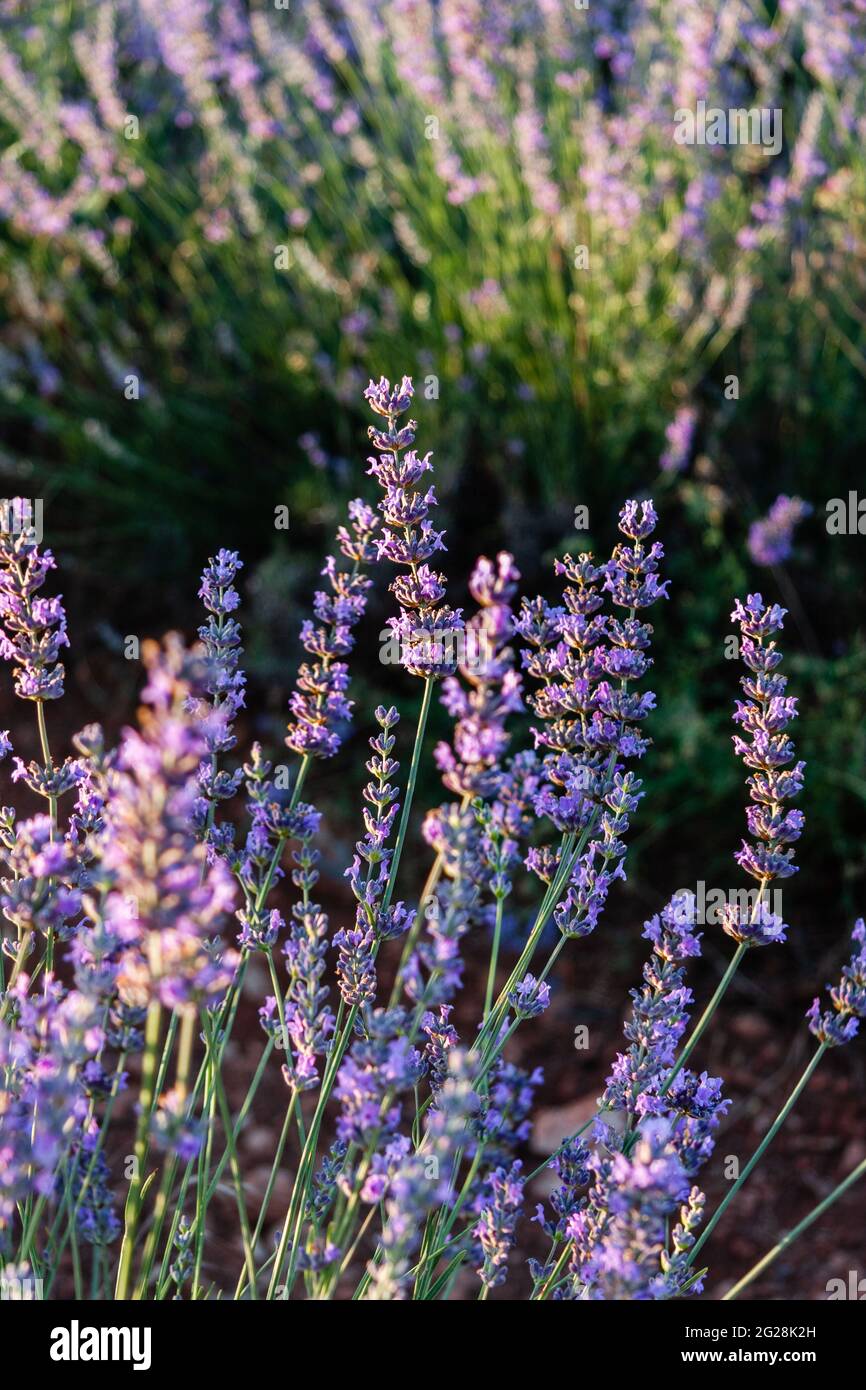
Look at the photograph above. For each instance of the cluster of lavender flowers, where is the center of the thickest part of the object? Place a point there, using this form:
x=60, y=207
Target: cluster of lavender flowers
x=544, y=117
x=136, y=926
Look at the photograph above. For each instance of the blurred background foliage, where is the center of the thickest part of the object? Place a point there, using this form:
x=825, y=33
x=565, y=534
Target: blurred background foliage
x=219, y=219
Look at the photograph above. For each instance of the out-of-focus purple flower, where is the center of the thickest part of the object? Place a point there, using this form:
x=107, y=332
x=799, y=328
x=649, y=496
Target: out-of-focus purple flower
x=38, y=893
x=96, y=1217
x=503, y=1122
x=165, y=898
x=771, y=538
x=679, y=435
x=173, y=1127
x=43, y=1104
x=434, y=971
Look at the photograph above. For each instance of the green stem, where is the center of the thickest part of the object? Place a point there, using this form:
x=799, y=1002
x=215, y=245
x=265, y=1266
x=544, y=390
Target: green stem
x=85, y=1185
x=298, y=1197
x=553, y=1277
x=294, y=1216
x=494, y=958
x=707, y=1015
x=798, y=1230
x=46, y=758
x=759, y=1152
x=184, y=1067
x=415, y=930
x=133, y=1201
x=410, y=790
x=238, y=1180
x=269, y=1190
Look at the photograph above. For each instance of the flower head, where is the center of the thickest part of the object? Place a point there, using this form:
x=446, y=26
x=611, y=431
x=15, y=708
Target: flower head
x=33, y=630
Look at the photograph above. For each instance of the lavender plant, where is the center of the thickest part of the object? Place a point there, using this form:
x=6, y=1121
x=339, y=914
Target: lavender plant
x=261, y=139
x=132, y=920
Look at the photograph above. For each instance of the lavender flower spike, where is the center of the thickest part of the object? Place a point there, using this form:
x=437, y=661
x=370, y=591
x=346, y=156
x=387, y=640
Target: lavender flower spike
x=472, y=767
x=224, y=683
x=848, y=998
x=165, y=898
x=221, y=637
x=318, y=703
x=427, y=631
x=33, y=629
x=764, y=716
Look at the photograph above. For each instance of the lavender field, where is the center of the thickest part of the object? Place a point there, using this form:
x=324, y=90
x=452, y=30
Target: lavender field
x=433, y=653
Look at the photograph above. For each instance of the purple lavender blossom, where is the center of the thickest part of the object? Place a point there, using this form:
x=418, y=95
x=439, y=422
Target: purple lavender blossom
x=427, y=632
x=434, y=972
x=376, y=1070
x=591, y=719
x=165, y=897
x=441, y=1040
x=221, y=637
x=530, y=998
x=33, y=629
x=771, y=538
x=39, y=894
x=497, y=1224
x=764, y=716
x=318, y=703
x=571, y=1164
x=274, y=820
x=848, y=998
x=472, y=767
x=224, y=683
x=375, y=919
x=620, y=1235
x=42, y=1056
x=309, y=1019
x=679, y=435
x=660, y=1011
x=96, y=1215
x=421, y=1183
